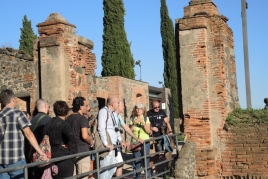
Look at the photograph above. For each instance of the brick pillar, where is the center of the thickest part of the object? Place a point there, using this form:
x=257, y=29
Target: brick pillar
x=208, y=80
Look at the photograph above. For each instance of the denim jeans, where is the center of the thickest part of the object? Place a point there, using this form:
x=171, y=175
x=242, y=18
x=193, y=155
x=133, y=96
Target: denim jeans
x=137, y=163
x=107, y=161
x=18, y=174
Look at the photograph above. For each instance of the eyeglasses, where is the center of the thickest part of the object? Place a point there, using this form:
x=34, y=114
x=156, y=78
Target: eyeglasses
x=157, y=107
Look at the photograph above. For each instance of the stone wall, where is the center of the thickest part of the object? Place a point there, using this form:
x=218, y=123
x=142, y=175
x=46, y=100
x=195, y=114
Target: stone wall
x=208, y=80
x=18, y=73
x=245, y=151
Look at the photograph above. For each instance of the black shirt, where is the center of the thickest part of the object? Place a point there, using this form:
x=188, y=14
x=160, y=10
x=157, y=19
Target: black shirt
x=157, y=120
x=77, y=122
x=37, y=128
x=60, y=133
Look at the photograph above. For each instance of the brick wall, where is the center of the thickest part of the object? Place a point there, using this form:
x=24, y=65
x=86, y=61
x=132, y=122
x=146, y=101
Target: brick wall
x=208, y=80
x=245, y=151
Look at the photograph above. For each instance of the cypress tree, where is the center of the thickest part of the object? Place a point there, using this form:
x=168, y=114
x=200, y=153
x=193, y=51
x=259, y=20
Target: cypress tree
x=27, y=36
x=117, y=59
x=169, y=55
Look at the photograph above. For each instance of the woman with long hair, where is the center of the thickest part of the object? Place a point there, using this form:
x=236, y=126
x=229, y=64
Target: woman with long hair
x=62, y=140
x=141, y=127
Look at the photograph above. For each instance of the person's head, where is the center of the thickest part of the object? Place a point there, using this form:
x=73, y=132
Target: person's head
x=42, y=106
x=80, y=105
x=60, y=108
x=112, y=103
x=155, y=106
x=88, y=109
x=121, y=107
x=140, y=109
x=8, y=99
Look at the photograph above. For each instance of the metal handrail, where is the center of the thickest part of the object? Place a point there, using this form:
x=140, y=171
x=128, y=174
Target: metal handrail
x=98, y=169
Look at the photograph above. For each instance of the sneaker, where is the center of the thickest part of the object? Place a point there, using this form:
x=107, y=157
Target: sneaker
x=142, y=172
x=154, y=173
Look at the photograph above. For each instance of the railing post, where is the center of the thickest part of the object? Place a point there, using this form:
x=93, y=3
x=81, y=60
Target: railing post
x=25, y=170
x=145, y=161
x=177, y=146
x=98, y=164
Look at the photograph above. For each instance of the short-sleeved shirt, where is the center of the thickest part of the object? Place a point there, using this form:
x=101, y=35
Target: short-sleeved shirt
x=157, y=120
x=119, y=120
x=139, y=130
x=12, y=123
x=77, y=122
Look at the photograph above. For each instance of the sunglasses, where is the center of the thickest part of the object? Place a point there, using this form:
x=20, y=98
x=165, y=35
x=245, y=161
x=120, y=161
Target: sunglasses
x=157, y=107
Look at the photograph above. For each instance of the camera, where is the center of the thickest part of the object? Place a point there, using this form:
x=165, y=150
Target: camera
x=116, y=129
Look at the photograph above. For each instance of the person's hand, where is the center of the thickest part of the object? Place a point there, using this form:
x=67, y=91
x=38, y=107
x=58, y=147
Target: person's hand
x=140, y=141
x=170, y=133
x=91, y=143
x=44, y=157
x=155, y=129
x=67, y=146
x=123, y=144
x=111, y=147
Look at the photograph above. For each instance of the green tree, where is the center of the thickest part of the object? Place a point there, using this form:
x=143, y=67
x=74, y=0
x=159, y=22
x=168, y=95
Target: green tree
x=27, y=36
x=117, y=59
x=169, y=55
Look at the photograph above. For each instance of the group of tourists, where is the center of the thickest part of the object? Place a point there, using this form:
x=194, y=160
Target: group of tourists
x=70, y=132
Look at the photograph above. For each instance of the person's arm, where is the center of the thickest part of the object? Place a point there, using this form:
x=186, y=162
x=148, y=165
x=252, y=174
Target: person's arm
x=31, y=138
x=168, y=125
x=85, y=136
x=128, y=130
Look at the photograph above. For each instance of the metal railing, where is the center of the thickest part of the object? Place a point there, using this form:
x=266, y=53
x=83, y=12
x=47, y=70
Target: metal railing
x=98, y=169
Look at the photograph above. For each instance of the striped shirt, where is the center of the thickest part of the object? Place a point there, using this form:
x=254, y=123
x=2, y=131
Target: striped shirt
x=12, y=122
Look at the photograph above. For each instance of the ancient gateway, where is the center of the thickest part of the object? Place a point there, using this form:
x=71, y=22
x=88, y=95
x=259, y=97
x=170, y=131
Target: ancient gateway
x=63, y=67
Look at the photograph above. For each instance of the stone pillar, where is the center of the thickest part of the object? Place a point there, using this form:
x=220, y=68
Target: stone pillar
x=208, y=79
x=67, y=64
x=53, y=61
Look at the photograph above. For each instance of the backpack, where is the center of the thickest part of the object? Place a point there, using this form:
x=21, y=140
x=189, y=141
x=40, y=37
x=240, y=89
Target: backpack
x=44, y=146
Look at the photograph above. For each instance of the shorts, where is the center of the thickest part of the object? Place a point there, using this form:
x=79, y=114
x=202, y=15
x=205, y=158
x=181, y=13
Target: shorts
x=118, y=158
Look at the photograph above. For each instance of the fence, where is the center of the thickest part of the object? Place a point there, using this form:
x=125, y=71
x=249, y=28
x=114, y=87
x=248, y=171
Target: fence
x=98, y=169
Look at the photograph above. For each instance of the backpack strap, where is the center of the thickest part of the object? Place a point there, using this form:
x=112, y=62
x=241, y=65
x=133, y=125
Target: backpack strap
x=39, y=119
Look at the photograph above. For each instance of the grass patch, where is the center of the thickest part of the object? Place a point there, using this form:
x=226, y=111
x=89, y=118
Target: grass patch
x=254, y=116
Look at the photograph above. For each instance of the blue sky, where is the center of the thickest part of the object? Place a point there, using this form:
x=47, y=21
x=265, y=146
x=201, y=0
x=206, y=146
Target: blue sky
x=142, y=25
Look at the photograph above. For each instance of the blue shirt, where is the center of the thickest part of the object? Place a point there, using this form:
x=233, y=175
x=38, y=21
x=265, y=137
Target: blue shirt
x=12, y=122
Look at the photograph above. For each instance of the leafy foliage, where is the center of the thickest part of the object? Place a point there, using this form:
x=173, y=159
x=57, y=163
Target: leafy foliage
x=27, y=36
x=169, y=54
x=255, y=116
x=117, y=59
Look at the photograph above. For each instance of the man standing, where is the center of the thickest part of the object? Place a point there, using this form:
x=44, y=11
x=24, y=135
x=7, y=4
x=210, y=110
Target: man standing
x=120, y=123
x=79, y=124
x=158, y=118
x=13, y=124
x=107, y=121
x=38, y=123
